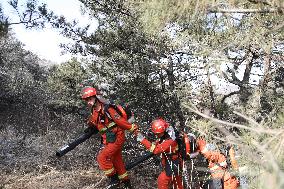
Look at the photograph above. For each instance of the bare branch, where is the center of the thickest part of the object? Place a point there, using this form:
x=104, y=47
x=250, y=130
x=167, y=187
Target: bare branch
x=260, y=1
x=228, y=95
x=270, y=10
x=257, y=130
x=247, y=118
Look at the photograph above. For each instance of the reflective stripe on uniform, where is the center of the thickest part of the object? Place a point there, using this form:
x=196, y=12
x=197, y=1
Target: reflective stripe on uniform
x=152, y=148
x=109, y=171
x=223, y=164
x=111, y=124
x=103, y=130
x=123, y=176
x=132, y=127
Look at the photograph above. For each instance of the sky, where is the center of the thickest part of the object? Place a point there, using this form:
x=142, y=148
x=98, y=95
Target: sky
x=45, y=43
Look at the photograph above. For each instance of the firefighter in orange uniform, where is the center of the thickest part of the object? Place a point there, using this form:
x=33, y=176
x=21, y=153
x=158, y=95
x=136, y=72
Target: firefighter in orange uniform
x=112, y=127
x=221, y=178
x=168, y=147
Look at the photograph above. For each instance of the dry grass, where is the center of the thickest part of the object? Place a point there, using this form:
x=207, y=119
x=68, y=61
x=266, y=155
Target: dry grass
x=54, y=179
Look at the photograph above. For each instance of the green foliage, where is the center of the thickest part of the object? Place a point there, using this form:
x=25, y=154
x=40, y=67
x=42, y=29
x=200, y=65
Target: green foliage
x=30, y=14
x=64, y=84
x=128, y=60
x=20, y=73
x=3, y=23
x=157, y=14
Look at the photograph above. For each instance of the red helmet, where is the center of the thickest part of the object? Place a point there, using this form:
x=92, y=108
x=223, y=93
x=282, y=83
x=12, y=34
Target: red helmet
x=88, y=92
x=159, y=126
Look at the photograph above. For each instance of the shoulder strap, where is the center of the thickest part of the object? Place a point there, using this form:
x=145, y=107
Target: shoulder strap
x=111, y=104
x=106, y=110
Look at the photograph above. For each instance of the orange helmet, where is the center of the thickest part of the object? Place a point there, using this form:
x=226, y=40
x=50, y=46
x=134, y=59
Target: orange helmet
x=159, y=126
x=88, y=92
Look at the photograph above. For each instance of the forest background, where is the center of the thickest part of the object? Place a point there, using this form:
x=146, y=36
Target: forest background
x=214, y=68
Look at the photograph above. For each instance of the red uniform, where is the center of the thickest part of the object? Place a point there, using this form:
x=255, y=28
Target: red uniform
x=169, y=150
x=112, y=132
x=218, y=166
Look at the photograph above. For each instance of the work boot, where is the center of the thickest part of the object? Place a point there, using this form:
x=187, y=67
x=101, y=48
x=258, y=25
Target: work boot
x=126, y=184
x=113, y=182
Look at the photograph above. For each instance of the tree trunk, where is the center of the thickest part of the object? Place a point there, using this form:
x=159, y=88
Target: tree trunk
x=173, y=96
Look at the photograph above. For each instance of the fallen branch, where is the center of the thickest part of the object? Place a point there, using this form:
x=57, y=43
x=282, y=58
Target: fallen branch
x=270, y=10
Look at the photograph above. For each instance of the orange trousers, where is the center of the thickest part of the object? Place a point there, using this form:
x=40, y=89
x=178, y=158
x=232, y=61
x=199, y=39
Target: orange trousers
x=111, y=162
x=166, y=182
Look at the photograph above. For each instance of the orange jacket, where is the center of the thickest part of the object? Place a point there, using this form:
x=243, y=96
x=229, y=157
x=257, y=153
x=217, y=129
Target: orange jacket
x=117, y=124
x=217, y=165
x=167, y=148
